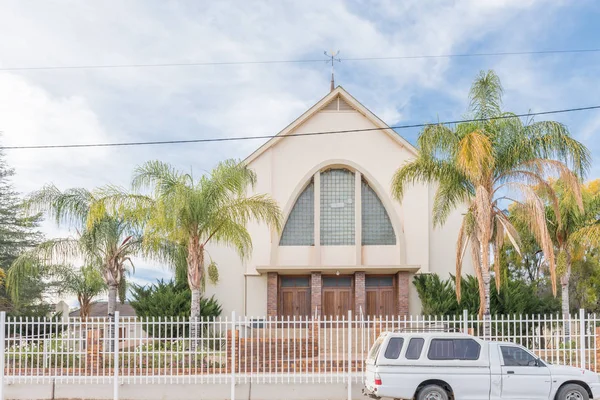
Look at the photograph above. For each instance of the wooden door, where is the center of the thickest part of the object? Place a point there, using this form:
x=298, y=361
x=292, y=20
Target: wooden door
x=337, y=296
x=294, y=297
x=380, y=296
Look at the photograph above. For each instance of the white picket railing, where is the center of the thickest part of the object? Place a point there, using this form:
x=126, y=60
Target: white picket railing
x=245, y=349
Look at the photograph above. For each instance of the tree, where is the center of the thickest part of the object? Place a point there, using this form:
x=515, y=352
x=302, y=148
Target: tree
x=481, y=165
x=195, y=212
x=107, y=242
x=86, y=283
x=18, y=233
x=169, y=300
x=564, y=224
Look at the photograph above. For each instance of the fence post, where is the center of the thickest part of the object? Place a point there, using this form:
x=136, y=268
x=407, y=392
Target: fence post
x=349, y=354
x=116, y=357
x=233, y=350
x=582, y=336
x=465, y=321
x=2, y=351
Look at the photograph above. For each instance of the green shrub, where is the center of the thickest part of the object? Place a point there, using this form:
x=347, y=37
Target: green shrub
x=169, y=301
x=438, y=297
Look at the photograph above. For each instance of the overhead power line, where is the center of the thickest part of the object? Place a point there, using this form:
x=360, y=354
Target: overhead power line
x=297, y=61
x=240, y=138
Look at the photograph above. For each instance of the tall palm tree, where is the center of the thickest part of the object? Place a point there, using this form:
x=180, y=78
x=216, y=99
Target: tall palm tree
x=214, y=208
x=108, y=242
x=483, y=165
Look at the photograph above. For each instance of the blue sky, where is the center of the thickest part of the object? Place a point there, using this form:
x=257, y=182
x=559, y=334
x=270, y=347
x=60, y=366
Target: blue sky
x=80, y=106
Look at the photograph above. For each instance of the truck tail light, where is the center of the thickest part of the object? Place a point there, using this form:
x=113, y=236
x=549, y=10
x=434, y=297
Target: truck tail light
x=377, y=380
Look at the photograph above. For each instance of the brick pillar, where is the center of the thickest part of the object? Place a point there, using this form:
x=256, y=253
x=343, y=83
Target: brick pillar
x=233, y=345
x=94, y=360
x=402, y=279
x=272, y=295
x=315, y=293
x=360, y=295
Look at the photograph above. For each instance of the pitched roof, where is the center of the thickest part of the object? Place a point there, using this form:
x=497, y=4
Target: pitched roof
x=346, y=100
x=100, y=309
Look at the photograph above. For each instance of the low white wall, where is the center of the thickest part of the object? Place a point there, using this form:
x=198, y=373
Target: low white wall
x=256, y=391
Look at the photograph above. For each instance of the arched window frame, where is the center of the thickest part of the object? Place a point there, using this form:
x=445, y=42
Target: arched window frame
x=360, y=177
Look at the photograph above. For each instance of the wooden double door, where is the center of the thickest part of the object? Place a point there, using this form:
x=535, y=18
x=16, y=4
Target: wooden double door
x=294, y=297
x=337, y=296
x=380, y=296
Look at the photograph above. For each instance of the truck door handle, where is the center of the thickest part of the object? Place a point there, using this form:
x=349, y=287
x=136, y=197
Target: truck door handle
x=510, y=372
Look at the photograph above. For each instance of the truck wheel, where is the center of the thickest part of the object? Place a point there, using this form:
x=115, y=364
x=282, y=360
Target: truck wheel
x=572, y=391
x=434, y=392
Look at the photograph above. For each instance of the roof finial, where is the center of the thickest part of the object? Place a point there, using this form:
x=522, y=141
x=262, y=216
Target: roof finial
x=332, y=58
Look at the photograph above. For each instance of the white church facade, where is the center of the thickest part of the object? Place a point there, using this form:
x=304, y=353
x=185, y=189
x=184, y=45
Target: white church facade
x=346, y=243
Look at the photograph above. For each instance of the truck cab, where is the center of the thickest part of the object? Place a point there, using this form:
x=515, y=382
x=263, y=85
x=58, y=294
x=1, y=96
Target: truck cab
x=447, y=365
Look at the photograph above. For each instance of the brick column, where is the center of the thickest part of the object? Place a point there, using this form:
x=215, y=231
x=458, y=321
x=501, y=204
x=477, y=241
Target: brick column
x=315, y=293
x=402, y=279
x=94, y=359
x=360, y=295
x=272, y=295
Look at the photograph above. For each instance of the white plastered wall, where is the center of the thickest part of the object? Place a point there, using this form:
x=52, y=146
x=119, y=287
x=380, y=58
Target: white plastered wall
x=282, y=170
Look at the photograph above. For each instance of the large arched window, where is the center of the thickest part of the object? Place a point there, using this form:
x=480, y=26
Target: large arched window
x=300, y=227
x=337, y=216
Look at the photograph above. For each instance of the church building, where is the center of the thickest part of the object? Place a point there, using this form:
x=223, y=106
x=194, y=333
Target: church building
x=346, y=243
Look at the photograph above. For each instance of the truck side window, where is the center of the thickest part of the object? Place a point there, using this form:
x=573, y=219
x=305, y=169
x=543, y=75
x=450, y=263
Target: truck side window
x=413, y=351
x=453, y=349
x=392, y=352
x=517, y=357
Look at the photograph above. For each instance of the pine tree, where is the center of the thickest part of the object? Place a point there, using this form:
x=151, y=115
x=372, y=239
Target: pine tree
x=18, y=232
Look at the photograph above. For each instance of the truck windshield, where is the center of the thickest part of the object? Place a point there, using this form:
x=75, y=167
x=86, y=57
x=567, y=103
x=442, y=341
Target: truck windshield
x=375, y=349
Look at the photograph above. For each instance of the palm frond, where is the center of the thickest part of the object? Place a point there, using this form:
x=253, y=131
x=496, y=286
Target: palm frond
x=551, y=140
x=486, y=95
x=475, y=156
x=69, y=207
x=158, y=176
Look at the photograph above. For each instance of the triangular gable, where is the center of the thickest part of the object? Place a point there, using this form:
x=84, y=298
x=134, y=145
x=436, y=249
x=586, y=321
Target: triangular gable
x=338, y=99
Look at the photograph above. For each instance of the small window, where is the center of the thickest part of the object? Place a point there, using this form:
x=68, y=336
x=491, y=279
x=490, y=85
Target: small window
x=295, y=281
x=392, y=352
x=337, y=281
x=375, y=349
x=517, y=357
x=453, y=349
x=415, y=346
x=379, y=281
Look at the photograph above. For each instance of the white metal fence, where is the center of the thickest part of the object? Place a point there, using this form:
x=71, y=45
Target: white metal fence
x=245, y=349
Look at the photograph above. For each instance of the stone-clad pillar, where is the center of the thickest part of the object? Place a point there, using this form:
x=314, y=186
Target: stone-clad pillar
x=402, y=282
x=360, y=295
x=315, y=293
x=272, y=295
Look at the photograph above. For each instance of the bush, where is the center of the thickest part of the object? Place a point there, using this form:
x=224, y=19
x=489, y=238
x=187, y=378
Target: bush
x=438, y=297
x=166, y=300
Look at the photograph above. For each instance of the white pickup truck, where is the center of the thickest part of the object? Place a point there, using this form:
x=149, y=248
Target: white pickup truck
x=444, y=366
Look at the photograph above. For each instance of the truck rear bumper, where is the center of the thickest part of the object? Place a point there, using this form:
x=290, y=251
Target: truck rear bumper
x=370, y=394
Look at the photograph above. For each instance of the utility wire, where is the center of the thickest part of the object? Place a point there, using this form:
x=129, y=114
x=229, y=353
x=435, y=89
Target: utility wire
x=298, y=61
x=240, y=138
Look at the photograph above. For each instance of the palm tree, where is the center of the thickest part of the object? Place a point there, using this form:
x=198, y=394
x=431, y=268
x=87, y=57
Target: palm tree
x=192, y=213
x=86, y=283
x=569, y=227
x=107, y=242
x=482, y=165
